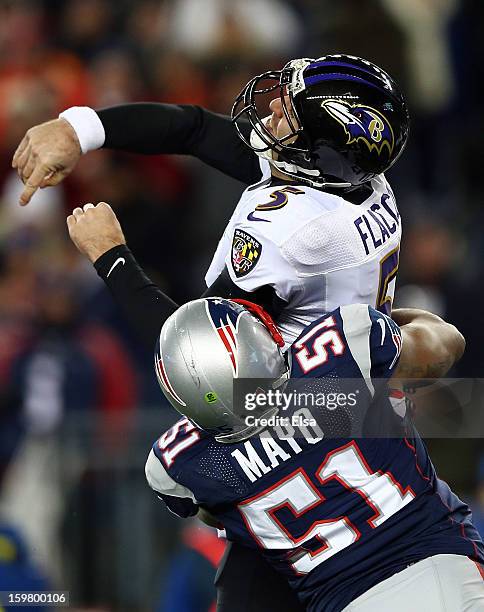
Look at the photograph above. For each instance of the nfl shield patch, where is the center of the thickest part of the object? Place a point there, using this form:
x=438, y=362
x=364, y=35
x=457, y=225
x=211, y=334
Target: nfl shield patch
x=246, y=252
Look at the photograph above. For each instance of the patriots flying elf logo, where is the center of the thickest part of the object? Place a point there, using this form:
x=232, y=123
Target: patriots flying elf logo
x=363, y=123
x=224, y=319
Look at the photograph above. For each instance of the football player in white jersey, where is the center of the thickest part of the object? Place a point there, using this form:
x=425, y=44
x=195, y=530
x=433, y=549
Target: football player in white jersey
x=323, y=229
x=319, y=226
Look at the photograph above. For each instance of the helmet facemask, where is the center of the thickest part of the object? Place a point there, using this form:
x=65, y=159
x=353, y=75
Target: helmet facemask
x=290, y=154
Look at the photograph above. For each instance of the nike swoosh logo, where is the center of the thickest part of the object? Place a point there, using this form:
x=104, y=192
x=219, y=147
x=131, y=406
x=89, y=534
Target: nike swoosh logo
x=118, y=260
x=383, y=330
x=250, y=217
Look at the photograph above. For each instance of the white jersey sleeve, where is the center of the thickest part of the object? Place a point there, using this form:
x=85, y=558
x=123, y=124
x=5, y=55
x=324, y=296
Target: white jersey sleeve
x=178, y=498
x=255, y=261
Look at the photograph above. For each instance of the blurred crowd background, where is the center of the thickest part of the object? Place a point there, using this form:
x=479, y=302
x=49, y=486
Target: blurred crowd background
x=79, y=405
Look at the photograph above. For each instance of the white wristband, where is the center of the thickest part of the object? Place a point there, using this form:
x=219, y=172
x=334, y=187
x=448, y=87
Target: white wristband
x=87, y=126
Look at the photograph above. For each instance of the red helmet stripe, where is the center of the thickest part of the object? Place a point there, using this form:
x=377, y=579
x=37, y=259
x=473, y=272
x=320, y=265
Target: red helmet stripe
x=222, y=332
x=230, y=331
x=166, y=383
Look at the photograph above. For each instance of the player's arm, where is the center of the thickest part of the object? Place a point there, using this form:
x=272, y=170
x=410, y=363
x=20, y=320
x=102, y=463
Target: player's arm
x=97, y=234
x=412, y=344
x=180, y=129
x=50, y=151
x=178, y=498
x=430, y=345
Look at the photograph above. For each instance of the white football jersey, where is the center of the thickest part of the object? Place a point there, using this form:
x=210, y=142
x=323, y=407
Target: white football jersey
x=317, y=250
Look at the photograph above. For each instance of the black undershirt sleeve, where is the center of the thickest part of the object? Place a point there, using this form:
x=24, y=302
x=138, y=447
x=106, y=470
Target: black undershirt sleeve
x=152, y=129
x=143, y=303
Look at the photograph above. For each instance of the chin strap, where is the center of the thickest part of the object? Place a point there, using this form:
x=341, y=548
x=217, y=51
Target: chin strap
x=297, y=173
x=292, y=171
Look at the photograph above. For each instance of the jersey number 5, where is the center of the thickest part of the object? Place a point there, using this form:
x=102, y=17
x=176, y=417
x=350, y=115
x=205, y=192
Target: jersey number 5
x=388, y=271
x=279, y=198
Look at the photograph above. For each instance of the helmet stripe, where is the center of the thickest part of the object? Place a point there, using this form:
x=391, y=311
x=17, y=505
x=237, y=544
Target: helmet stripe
x=324, y=64
x=231, y=331
x=223, y=333
x=317, y=78
x=164, y=380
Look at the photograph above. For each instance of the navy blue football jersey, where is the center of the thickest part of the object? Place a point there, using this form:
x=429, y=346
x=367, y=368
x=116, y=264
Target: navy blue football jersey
x=332, y=509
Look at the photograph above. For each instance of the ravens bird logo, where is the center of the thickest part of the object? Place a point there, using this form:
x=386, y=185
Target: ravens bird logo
x=362, y=123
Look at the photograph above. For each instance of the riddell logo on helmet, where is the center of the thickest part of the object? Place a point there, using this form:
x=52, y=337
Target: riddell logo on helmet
x=297, y=82
x=363, y=123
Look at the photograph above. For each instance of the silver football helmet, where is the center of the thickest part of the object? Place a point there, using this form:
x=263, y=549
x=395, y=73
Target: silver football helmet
x=203, y=347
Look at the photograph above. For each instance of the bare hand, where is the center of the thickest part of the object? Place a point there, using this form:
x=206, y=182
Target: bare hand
x=46, y=155
x=95, y=229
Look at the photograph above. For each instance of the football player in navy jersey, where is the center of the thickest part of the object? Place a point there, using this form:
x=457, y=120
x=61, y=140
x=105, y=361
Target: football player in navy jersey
x=352, y=522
